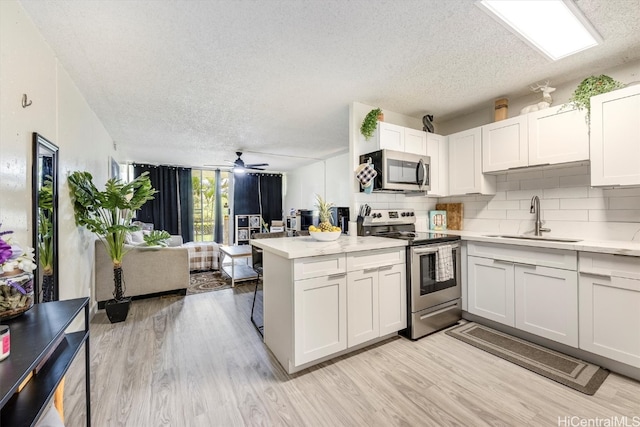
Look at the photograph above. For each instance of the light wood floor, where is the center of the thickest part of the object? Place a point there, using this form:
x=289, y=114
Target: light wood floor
x=198, y=361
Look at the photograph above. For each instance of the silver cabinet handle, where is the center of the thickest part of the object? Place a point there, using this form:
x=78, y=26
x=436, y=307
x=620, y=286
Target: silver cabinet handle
x=385, y=267
x=337, y=275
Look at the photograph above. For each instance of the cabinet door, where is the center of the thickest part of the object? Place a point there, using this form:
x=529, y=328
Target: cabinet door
x=320, y=317
x=391, y=136
x=415, y=141
x=491, y=289
x=392, y=285
x=362, y=306
x=465, y=161
x=609, y=317
x=546, y=302
x=505, y=144
x=438, y=151
x=558, y=136
x=615, y=137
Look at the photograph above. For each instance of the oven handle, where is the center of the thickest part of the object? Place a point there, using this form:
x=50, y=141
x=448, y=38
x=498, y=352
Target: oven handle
x=442, y=310
x=431, y=249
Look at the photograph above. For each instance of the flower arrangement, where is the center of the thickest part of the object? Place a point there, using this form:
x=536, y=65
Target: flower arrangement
x=16, y=277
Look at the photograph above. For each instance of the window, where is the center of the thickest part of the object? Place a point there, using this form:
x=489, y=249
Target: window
x=204, y=205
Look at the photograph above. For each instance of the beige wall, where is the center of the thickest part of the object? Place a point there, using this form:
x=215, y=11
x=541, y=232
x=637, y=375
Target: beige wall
x=60, y=113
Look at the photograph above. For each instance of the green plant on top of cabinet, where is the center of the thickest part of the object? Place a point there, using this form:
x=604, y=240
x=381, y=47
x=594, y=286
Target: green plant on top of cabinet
x=370, y=123
x=589, y=87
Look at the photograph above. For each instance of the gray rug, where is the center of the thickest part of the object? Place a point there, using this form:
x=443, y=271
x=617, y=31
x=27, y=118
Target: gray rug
x=575, y=373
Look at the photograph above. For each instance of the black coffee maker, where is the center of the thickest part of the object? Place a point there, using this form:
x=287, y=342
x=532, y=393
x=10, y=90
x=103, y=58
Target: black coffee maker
x=340, y=218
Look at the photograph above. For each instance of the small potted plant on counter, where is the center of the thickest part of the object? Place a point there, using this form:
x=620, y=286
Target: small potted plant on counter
x=370, y=123
x=108, y=214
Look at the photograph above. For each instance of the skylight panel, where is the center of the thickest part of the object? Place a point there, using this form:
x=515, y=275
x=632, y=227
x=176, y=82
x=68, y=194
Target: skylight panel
x=556, y=28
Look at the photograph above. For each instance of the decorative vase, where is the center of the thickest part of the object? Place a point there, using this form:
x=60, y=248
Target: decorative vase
x=16, y=293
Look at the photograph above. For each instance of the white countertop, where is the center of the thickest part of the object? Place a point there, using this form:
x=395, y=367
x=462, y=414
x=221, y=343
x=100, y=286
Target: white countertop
x=306, y=246
x=616, y=247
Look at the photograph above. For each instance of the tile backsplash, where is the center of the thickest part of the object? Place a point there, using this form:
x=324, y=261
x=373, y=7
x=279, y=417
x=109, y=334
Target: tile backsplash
x=569, y=206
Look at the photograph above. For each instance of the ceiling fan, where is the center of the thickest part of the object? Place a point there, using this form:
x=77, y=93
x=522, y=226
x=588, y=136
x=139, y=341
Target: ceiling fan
x=239, y=164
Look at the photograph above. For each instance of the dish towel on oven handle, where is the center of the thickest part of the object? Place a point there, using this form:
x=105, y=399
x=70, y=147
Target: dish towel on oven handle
x=444, y=263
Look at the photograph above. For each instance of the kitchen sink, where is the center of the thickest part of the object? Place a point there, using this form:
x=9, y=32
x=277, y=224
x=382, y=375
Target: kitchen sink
x=543, y=238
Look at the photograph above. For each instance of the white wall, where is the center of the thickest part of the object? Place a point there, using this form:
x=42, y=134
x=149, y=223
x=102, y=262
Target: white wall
x=60, y=113
x=329, y=178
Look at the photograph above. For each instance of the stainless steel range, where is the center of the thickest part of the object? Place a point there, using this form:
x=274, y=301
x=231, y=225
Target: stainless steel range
x=433, y=269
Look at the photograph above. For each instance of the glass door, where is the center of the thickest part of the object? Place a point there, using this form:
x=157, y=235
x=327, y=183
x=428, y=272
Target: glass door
x=205, y=200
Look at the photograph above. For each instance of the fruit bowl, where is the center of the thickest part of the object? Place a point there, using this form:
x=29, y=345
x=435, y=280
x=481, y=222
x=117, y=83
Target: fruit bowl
x=325, y=236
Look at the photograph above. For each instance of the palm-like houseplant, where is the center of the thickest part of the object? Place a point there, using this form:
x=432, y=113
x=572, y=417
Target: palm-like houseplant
x=45, y=237
x=108, y=214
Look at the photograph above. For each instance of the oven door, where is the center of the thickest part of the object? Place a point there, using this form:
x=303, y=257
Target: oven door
x=425, y=290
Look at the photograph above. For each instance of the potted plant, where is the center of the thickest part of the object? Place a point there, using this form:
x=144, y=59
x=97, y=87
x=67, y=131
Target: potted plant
x=108, y=214
x=370, y=123
x=591, y=86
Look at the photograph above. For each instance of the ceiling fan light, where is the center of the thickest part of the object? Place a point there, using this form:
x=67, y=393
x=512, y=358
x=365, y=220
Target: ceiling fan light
x=556, y=28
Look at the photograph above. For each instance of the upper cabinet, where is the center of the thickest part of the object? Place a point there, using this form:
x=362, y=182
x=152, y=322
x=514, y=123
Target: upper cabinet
x=546, y=137
x=504, y=145
x=438, y=151
x=615, y=138
x=397, y=138
x=465, y=164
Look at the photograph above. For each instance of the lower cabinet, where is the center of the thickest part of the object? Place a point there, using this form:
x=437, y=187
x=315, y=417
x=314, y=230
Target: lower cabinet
x=491, y=289
x=546, y=302
x=320, y=317
x=376, y=303
x=610, y=307
x=511, y=289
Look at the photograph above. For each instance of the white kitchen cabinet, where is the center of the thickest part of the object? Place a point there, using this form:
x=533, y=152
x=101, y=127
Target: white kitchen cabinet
x=376, y=294
x=505, y=144
x=546, y=137
x=610, y=306
x=532, y=289
x=465, y=164
x=320, y=317
x=557, y=135
x=546, y=302
x=392, y=288
x=491, y=289
x=363, y=322
x=438, y=151
x=615, y=138
x=397, y=138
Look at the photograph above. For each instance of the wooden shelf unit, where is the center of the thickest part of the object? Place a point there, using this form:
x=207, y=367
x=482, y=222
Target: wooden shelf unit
x=246, y=225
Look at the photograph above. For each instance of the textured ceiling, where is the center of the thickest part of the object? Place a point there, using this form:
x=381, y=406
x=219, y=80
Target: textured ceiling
x=190, y=82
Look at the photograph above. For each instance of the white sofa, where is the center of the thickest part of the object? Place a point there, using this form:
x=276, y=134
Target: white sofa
x=146, y=271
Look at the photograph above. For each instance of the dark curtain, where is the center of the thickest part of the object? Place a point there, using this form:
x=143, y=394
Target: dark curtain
x=186, y=203
x=172, y=208
x=219, y=229
x=258, y=194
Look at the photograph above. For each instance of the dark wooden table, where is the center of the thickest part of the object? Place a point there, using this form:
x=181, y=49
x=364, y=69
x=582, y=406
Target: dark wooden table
x=39, y=336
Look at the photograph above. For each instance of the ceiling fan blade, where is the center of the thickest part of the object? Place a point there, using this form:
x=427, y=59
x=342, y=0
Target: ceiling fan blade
x=255, y=169
x=253, y=165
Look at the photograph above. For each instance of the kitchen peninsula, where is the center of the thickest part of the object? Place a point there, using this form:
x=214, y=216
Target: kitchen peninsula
x=324, y=299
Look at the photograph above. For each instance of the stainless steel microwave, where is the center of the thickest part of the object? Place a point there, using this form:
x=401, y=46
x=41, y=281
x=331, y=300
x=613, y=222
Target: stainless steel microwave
x=398, y=171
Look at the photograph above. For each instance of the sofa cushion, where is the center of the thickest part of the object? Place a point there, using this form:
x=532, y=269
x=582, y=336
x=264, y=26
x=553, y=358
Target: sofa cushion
x=134, y=238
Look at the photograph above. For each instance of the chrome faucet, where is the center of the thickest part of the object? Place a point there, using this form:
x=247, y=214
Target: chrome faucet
x=535, y=208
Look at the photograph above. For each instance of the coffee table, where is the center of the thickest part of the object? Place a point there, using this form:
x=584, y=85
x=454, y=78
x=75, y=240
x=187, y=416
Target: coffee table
x=237, y=272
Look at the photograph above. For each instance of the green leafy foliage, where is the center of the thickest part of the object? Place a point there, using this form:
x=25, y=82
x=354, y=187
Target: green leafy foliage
x=157, y=238
x=591, y=86
x=370, y=123
x=45, y=226
x=108, y=213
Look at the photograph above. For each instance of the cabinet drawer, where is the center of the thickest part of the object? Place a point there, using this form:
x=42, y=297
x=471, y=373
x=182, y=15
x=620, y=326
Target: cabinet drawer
x=546, y=257
x=610, y=265
x=325, y=265
x=373, y=259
